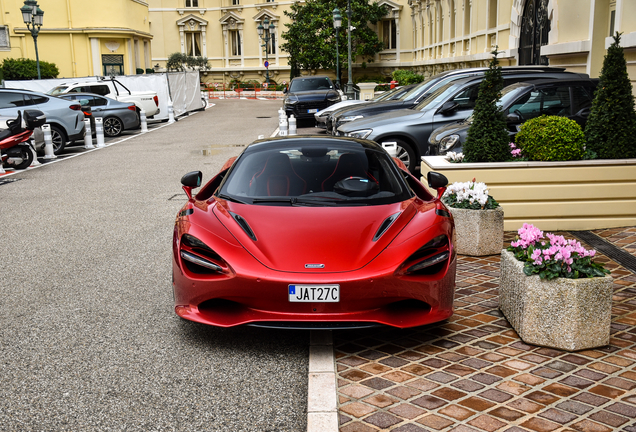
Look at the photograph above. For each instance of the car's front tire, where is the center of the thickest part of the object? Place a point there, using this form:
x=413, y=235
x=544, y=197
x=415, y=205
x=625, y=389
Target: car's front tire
x=58, y=136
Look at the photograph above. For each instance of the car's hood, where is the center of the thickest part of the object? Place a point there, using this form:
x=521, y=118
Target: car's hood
x=339, y=105
x=289, y=238
x=449, y=129
x=374, y=108
x=388, y=118
x=317, y=95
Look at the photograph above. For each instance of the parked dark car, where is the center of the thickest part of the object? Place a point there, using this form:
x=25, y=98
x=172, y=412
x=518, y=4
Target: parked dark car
x=425, y=88
x=410, y=128
x=308, y=95
x=117, y=116
x=524, y=101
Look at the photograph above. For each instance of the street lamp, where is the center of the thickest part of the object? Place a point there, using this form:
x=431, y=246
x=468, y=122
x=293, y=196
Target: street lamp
x=266, y=33
x=33, y=17
x=350, y=94
x=337, y=23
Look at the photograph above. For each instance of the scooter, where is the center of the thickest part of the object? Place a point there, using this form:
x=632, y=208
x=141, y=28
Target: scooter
x=15, y=149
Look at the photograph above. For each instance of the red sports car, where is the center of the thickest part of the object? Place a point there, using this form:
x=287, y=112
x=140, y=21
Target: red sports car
x=314, y=232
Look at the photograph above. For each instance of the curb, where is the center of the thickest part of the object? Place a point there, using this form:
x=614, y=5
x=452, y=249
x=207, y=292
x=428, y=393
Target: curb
x=322, y=405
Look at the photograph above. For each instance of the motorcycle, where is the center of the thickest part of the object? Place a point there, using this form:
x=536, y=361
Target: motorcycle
x=15, y=149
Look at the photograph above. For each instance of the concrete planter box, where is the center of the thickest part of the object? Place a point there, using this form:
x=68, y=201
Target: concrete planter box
x=567, y=314
x=478, y=232
x=554, y=196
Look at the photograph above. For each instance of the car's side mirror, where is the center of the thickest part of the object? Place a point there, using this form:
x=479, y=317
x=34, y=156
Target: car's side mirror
x=585, y=112
x=285, y=90
x=191, y=181
x=448, y=107
x=336, y=86
x=438, y=182
x=513, y=118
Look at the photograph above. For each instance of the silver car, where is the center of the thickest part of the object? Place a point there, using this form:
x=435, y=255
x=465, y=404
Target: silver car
x=117, y=116
x=65, y=117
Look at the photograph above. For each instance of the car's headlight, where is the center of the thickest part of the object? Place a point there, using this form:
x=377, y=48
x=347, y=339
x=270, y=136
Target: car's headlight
x=448, y=142
x=291, y=101
x=334, y=98
x=360, y=134
x=350, y=118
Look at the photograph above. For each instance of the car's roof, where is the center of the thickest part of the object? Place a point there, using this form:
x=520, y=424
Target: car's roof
x=310, y=76
x=64, y=95
x=561, y=81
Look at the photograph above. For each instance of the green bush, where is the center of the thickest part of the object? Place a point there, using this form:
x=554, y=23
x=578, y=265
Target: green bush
x=406, y=77
x=20, y=69
x=139, y=71
x=150, y=71
x=551, y=138
x=611, y=126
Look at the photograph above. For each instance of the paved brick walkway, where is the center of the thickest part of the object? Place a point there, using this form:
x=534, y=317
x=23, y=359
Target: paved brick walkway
x=473, y=373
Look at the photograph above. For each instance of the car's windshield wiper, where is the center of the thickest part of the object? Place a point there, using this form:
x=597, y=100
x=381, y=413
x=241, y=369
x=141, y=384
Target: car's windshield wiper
x=319, y=201
x=229, y=198
x=294, y=201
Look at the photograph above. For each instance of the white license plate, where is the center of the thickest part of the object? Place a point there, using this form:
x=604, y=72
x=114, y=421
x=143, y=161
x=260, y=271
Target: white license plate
x=311, y=111
x=314, y=293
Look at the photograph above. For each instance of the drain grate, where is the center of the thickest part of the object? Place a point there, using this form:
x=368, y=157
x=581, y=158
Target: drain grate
x=619, y=255
x=7, y=181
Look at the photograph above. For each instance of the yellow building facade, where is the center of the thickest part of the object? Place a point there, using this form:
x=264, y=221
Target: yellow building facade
x=82, y=37
x=428, y=36
x=85, y=37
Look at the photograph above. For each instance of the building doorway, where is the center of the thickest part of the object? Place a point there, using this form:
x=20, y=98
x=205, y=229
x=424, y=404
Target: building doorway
x=535, y=26
x=113, y=64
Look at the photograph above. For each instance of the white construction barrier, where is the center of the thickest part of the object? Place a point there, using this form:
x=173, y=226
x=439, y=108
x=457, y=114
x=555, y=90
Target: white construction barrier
x=99, y=132
x=292, y=125
x=144, y=122
x=88, y=137
x=49, y=152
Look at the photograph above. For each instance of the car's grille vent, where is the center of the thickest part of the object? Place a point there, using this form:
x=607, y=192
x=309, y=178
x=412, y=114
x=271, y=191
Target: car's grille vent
x=302, y=106
x=385, y=226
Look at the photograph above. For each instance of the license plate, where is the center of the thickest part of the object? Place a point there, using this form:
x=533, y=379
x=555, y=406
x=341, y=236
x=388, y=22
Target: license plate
x=311, y=111
x=314, y=293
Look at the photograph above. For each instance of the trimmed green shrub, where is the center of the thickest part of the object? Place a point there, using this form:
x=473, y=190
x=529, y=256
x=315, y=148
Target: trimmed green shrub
x=406, y=77
x=139, y=71
x=488, y=139
x=611, y=127
x=551, y=138
x=20, y=69
x=150, y=70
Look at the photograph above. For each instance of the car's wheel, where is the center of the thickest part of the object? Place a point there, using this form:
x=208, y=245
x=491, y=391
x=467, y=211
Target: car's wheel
x=113, y=126
x=406, y=154
x=58, y=136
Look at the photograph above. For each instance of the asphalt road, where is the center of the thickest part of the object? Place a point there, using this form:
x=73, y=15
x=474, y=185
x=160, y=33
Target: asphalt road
x=88, y=337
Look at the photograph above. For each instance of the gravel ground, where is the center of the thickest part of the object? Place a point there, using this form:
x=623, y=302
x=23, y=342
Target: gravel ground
x=88, y=336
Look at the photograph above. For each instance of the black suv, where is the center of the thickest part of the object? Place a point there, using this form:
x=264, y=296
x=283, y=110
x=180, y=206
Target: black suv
x=308, y=95
x=524, y=101
x=425, y=88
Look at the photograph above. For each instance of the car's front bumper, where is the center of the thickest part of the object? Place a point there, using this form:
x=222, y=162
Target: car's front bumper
x=256, y=294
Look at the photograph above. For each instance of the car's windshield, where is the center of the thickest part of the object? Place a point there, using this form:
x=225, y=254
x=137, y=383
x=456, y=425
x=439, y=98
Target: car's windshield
x=320, y=173
x=417, y=90
x=310, y=84
x=57, y=90
x=438, y=96
x=390, y=94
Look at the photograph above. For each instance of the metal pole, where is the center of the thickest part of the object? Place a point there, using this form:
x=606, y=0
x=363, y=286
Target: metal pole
x=350, y=94
x=266, y=38
x=37, y=56
x=337, y=60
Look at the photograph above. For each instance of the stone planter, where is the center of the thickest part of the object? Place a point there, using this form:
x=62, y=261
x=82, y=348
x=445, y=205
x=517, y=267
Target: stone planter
x=567, y=314
x=478, y=232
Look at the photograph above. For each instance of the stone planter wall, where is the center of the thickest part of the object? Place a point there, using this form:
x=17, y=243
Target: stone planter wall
x=554, y=196
x=567, y=314
x=478, y=232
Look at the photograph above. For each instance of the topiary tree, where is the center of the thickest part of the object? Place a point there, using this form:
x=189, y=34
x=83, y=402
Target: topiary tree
x=551, y=138
x=611, y=127
x=488, y=139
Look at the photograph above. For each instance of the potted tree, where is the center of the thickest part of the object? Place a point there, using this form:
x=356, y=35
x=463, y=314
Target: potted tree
x=553, y=293
x=479, y=219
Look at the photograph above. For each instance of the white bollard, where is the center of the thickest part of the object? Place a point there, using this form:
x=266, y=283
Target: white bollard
x=281, y=113
x=99, y=132
x=2, y=171
x=35, y=162
x=49, y=152
x=282, y=127
x=144, y=122
x=170, y=114
x=88, y=136
x=292, y=125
